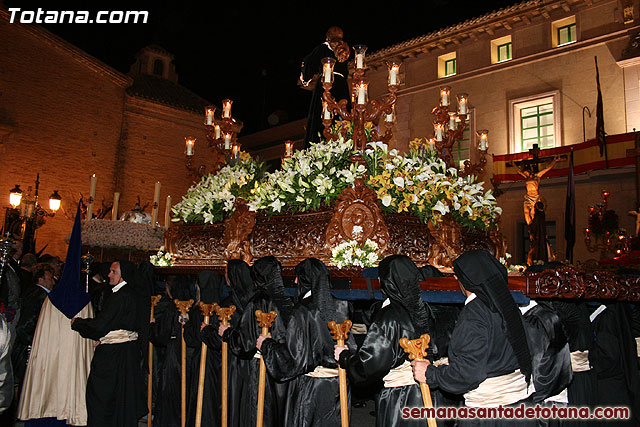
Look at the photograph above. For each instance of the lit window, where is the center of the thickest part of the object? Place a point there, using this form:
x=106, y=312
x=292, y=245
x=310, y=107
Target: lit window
x=447, y=65
x=564, y=31
x=535, y=120
x=450, y=67
x=566, y=34
x=504, y=52
x=501, y=50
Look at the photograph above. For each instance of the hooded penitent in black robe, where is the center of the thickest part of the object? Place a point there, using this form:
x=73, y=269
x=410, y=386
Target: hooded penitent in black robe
x=115, y=388
x=270, y=295
x=239, y=382
x=489, y=339
x=550, y=350
x=165, y=336
x=404, y=315
x=211, y=285
x=311, y=401
x=614, y=360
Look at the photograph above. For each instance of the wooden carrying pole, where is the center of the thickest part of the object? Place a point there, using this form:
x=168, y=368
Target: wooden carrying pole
x=207, y=311
x=224, y=316
x=417, y=350
x=340, y=332
x=154, y=301
x=183, y=308
x=265, y=320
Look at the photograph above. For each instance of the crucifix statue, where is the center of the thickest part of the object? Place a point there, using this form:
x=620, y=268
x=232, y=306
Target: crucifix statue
x=530, y=170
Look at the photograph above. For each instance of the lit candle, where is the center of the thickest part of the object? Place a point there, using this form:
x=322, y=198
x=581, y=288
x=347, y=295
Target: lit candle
x=432, y=144
x=92, y=195
x=114, y=210
x=452, y=121
x=327, y=69
x=235, y=150
x=190, y=143
x=463, y=99
x=394, y=68
x=288, y=148
x=438, y=129
x=226, y=108
x=360, y=52
x=167, y=213
x=326, y=112
x=227, y=140
x=483, y=140
x=445, y=92
x=362, y=93
x=389, y=117
x=156, y=200
x=217, y=131
x=209, y=114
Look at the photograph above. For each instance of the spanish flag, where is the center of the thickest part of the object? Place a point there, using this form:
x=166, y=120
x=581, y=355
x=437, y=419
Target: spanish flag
x=586, y=158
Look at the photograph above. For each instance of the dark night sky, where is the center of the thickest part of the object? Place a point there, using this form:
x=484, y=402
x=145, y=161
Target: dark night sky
x=251, y=51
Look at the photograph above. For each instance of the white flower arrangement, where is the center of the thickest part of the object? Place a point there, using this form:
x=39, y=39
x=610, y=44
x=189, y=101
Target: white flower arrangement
x=212, y=199
x=308, y=180
x=353, y=254
x=104, y=233
x=161, y=259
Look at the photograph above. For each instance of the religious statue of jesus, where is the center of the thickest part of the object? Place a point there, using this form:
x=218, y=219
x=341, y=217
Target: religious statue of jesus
x=533, y=183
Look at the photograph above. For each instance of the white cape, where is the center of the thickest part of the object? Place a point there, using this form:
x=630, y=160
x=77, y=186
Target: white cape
x=55, y=382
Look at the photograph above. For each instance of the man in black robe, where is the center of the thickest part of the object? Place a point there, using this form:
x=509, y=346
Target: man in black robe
x=381, y=358
x=488, y=346
x=210, y=284
x=270, y=295
x=312, y=66
x=115, y=390
x=241, y=283
x=305, y=358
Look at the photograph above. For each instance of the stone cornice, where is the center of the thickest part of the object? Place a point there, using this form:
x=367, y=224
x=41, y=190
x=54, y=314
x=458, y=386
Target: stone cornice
x=507, y=18
x=76, y=53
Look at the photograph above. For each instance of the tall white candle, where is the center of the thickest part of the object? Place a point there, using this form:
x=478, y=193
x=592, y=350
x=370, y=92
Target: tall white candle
x=167, y=213
x=226, y=108
x=92, y=195
x=362, y=93
x=209, y=116
x=359, y=61
x=156, y=200
x=438, y=128
x=116, y=202
x=325, y=109
x=327, y=72
x=217, y=131
x=227, y=141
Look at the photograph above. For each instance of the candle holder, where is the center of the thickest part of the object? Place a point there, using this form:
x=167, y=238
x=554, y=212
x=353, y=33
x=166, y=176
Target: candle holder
x=362, y=109
x=86, y=260
x=482, y=145
x=222, y=129
x=603, y=234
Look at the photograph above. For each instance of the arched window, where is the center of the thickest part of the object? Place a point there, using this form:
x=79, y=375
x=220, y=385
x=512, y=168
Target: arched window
x=158, y=67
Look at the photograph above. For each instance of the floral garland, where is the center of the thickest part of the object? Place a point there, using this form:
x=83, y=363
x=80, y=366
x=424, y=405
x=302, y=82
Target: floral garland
x=212, y=199
x=310, y=179
x=421, y=184
x=104, y=233
x=353, y=254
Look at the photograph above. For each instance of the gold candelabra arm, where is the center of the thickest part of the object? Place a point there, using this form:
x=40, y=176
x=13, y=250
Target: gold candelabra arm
x=417, y=348
x=207, y=310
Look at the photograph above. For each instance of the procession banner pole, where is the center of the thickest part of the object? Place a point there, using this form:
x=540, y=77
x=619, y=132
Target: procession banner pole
x=154, y=301
x=417, y=350
x=224, y=315
x=264, y=321
x=183, y=308
x=340, y=332
x=207, y=311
